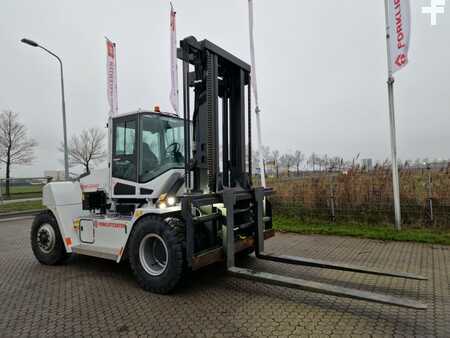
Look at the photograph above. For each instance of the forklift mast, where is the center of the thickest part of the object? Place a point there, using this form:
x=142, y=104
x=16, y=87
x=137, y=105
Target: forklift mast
x=217, y=76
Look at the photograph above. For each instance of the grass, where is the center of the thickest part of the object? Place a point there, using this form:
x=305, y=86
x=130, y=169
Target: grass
x=21, y=189
x=26, y=191
x=384, y=233
x=21, y=206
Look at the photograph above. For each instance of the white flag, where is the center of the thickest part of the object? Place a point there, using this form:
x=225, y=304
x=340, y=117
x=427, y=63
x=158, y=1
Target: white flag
x=398, y=30
x=111, y=73
x=173, y=61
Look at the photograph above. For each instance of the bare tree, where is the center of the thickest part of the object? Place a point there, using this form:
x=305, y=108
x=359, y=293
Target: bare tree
x=298, y=159
x=276, y=158
x=313, y=160
x=336, y=163
x=15, y=147
x=325, y=162
x=287, y=160
x=255, y=161
x=86, y=149
x=266, y=156
x=354, y=160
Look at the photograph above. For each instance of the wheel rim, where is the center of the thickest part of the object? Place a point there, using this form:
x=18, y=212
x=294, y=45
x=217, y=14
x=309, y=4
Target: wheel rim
x=153, y=254
x=46, y=238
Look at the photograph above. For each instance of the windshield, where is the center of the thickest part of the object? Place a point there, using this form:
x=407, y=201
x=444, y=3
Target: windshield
x=162, y=140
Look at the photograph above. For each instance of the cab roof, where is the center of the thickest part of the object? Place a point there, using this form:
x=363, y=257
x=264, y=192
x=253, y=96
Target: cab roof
x=140, y=111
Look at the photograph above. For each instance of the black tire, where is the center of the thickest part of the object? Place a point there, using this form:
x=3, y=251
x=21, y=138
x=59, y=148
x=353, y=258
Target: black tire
x=168, y=237
x=48, y=251
x=178, y=225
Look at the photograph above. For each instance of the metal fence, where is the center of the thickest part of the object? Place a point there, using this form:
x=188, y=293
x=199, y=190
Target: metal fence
x=365, y=197
x=22, y=188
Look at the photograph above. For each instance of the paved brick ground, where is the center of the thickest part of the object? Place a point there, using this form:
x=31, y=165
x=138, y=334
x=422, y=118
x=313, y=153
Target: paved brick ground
x=94, y=297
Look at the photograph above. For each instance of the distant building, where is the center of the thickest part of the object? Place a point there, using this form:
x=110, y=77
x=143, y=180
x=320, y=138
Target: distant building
x=367, y=164
x=56, y=175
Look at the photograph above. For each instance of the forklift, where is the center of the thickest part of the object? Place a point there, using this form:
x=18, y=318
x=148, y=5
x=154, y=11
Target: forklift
x=178, y=193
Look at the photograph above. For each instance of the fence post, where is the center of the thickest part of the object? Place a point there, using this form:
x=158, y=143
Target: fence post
x=430, y=196
x=332, y=201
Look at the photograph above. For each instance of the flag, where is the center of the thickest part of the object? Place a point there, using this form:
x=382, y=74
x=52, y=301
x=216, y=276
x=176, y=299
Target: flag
x=173, y=61
x=111, y=73
x=398, y=32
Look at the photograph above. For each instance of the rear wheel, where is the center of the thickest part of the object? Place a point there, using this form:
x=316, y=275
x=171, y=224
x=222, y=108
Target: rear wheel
x=156, y=254
x=46, y=240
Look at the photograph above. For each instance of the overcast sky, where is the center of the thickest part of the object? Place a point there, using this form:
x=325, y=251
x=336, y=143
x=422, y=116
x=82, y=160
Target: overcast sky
x=321, y=70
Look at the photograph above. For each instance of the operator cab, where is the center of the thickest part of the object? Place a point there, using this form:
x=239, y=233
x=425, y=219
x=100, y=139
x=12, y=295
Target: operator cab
x=146, y=147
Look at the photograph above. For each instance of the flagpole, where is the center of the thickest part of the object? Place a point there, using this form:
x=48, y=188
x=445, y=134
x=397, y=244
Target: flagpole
x=113, y=106
x=174, y=92
x=255, y=93
x=393, y=136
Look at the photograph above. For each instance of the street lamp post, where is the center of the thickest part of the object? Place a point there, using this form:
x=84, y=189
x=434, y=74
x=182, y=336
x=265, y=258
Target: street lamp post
x=66, y=154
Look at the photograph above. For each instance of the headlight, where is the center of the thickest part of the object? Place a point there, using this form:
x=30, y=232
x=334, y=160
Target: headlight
x=165, y=201
x=171, y=200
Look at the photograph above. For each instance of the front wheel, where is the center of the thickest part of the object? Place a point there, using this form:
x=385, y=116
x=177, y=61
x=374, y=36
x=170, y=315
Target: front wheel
x=46, y=240
x=156, y=254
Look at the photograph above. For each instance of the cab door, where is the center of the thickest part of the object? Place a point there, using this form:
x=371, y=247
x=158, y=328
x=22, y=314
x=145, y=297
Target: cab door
x=124, y=154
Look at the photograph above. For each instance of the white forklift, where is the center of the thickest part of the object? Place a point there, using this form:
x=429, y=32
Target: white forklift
x=168, y=203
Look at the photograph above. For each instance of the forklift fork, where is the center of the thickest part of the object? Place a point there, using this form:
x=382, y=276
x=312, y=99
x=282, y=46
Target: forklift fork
x=218, y=75
x=295, y=283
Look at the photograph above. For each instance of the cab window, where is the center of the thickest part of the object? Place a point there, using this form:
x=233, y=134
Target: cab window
x=124, y=149
x=162, y=146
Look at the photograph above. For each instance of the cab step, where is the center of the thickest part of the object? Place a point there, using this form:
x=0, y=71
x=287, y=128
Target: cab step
x=96, y=251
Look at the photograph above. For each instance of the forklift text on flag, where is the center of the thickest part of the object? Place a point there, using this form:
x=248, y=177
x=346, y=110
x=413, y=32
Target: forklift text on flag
x=174, y=101
x=111, y=73
x=398, y=15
